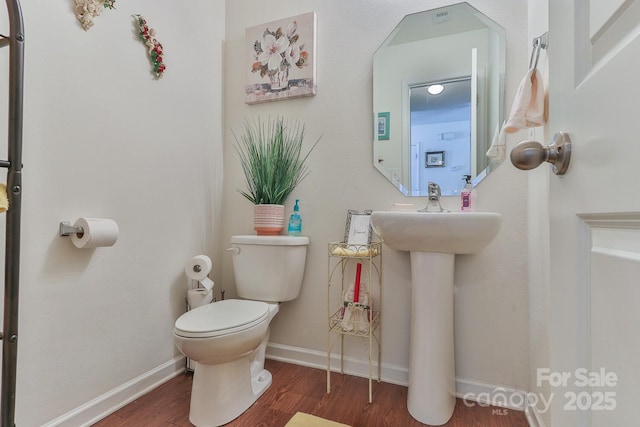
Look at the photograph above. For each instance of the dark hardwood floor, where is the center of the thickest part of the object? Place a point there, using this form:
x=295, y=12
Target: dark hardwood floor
x=297, y=388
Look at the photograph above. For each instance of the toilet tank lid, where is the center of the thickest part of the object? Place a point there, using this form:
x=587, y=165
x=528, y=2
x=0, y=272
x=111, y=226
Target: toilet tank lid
x=271, y=240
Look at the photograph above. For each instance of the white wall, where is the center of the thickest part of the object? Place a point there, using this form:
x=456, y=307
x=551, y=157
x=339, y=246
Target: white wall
x=491, y=322
x=103, y=138
x=456, y=153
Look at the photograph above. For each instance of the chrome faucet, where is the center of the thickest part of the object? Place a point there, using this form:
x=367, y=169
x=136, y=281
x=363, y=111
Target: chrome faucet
x=434, y=193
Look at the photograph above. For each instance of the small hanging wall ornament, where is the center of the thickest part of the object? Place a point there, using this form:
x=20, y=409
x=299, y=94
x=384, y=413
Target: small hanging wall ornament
x=86, y=10
x=147, y=35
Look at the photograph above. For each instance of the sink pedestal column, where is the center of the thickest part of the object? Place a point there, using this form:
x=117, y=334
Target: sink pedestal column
x=432, y=389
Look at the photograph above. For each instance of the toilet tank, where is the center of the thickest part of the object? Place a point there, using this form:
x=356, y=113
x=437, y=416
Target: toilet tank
x=269, y=268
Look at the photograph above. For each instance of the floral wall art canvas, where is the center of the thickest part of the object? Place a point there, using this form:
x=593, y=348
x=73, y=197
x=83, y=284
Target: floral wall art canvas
x=281, y=59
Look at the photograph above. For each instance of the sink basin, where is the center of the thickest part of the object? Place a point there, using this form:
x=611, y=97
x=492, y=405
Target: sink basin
x=433, y=240
x=447, y=232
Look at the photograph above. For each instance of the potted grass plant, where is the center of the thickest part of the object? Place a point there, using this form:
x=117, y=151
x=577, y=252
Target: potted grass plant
x=273, y=162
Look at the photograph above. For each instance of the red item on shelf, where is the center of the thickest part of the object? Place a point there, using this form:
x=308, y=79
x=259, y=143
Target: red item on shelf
x=356, y=286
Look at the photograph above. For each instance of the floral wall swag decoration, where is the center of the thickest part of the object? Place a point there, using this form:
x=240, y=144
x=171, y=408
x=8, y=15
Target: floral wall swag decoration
x=147, y=35
x=282, y=59
x=86, y=10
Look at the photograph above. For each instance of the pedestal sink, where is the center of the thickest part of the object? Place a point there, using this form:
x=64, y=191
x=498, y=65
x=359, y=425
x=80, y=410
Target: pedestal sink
x=433, y=239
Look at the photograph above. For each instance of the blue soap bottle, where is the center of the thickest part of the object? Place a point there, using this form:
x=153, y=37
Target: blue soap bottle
x=295, y=221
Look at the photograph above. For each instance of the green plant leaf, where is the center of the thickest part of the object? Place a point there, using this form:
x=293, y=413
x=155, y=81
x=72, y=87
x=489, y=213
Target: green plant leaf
x=272, y=160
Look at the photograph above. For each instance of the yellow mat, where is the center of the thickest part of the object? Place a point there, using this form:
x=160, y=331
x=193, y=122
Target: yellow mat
x=300, y=419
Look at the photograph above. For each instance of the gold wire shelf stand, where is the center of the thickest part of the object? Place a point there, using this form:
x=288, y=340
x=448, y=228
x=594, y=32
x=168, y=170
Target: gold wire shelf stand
x=368, y=323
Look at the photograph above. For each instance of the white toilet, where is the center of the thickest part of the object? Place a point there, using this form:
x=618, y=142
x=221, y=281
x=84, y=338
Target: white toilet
x=228, y=339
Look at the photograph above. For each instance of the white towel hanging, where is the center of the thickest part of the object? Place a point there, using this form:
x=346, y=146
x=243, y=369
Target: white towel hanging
x=528, y=106
x=498, y=149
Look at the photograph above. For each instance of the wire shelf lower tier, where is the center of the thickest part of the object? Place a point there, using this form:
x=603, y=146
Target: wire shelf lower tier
x=359, y=328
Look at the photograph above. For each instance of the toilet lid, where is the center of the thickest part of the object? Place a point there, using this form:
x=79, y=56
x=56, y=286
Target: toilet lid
x=220, y=318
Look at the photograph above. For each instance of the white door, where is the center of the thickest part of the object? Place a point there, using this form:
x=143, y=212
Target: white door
x=594, y=58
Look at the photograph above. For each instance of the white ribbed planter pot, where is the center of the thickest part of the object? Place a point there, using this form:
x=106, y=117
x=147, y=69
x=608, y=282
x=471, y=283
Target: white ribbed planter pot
x=268, y=220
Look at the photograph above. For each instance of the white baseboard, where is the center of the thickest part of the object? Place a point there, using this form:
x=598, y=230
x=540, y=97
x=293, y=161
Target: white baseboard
x=533, y=414
x=481, y=393
x=473, y=392
x=318, y=359
x=98, y=408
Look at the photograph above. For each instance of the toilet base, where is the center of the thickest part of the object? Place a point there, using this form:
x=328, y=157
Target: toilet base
x=225, y=384
x=261, y=382
x=223, y=392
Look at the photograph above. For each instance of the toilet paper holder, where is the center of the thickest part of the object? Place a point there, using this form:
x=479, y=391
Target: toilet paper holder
x=66, y=229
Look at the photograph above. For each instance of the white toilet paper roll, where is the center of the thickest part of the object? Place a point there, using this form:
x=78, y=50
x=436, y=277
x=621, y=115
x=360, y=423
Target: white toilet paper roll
x=207, y=283
x=98, y=232
x=198, y=267
x=198, y=297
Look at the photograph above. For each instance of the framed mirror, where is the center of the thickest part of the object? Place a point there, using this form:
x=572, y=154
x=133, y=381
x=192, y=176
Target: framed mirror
x=438, y=87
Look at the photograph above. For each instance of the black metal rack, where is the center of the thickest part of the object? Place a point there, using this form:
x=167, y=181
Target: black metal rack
x=15, y=42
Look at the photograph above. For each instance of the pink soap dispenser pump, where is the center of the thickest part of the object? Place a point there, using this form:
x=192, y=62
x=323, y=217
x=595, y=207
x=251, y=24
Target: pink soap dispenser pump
x=466, y=201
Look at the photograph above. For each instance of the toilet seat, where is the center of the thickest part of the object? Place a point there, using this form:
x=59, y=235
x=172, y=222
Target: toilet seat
x=221, y=318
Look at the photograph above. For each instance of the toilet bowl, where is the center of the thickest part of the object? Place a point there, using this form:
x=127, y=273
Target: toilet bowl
x=227, y=340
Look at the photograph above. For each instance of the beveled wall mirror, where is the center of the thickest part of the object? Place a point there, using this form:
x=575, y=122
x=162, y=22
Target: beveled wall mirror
x=438, y=87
